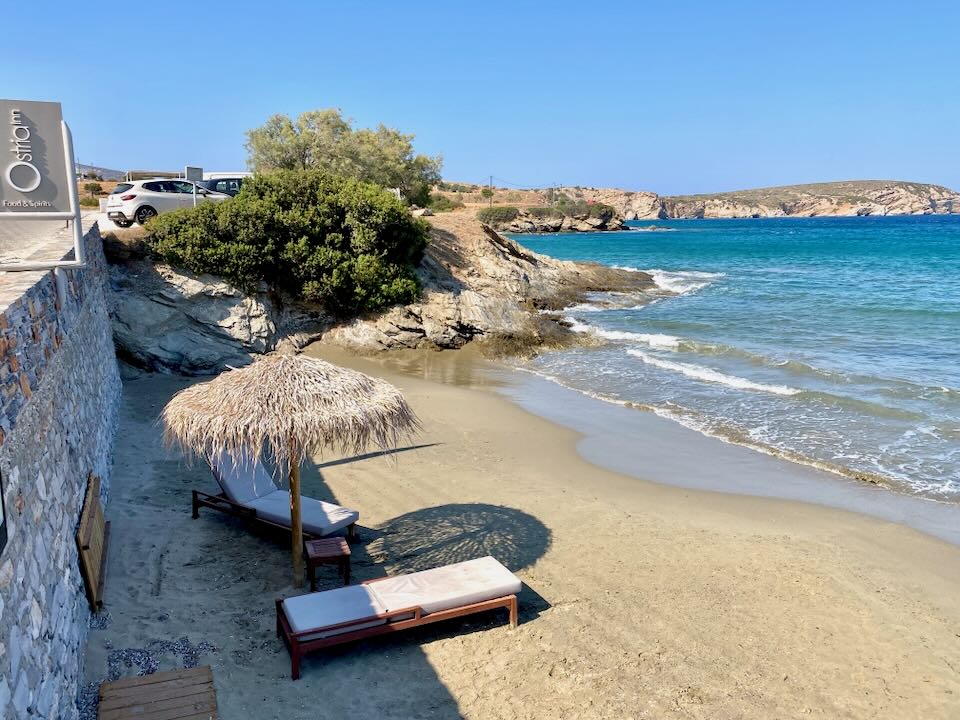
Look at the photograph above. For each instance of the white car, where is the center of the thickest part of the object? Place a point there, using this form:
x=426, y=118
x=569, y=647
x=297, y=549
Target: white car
x=141, y=200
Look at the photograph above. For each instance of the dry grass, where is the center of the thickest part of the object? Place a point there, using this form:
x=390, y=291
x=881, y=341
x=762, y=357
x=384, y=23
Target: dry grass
x=122, y=244
x=290, y=406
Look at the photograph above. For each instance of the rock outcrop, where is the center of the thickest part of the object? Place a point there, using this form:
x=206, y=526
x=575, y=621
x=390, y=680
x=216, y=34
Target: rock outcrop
x=481, y=285
x=629, y=204
x=477, y=285
x=527, y=222
x=172, y=321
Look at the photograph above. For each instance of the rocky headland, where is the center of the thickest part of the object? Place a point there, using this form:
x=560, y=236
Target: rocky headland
x=835, y=199
x=527, y=221
x=477, y=286
x=838, y=199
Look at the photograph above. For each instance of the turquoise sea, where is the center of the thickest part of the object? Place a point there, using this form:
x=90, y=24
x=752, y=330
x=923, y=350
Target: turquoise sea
x=830, y=341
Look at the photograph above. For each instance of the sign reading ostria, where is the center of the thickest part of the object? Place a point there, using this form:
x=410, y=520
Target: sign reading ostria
x=35, y=170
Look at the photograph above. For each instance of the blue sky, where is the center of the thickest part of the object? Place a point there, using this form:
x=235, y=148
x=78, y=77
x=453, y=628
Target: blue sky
x=674, y=97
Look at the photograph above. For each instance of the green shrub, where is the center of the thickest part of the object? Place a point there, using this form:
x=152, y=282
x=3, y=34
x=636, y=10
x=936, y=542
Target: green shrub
x=499, y=214
x=348, y=245
x=582, y=208
x=545, y=212
x=93, y=188
x=454, y=187
x=87, y=201
x=442, y=203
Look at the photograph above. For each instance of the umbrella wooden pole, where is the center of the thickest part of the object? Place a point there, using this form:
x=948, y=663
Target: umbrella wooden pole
x=296, y=524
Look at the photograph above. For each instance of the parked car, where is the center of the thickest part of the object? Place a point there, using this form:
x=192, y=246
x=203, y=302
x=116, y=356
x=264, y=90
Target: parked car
x=229, y=185
x=141, y=200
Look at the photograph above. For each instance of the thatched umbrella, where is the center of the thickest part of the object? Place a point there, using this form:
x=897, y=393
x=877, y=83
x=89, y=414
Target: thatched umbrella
x=290, y=406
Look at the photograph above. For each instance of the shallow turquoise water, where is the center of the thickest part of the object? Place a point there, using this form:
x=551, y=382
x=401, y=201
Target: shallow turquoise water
x=833, y=341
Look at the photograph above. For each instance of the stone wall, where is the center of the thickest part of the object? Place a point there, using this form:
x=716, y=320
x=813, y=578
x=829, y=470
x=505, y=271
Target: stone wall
x=59, y=399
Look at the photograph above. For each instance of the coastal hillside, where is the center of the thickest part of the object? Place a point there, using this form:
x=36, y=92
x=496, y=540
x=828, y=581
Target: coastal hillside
x=859, y=197
x=848, y=198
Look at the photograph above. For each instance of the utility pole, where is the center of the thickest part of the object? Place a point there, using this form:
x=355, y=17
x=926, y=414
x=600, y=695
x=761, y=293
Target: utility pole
x=491, y=190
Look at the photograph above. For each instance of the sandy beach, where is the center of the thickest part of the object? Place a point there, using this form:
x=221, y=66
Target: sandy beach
x=640, y=600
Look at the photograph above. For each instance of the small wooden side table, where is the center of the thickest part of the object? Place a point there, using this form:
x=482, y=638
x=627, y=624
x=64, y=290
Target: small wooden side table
x=327, y=551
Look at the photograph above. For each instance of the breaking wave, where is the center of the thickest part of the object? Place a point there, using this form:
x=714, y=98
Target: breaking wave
x=698, y=372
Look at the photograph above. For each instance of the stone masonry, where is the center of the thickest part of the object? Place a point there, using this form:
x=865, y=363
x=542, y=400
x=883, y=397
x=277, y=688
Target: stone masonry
x=59, y=399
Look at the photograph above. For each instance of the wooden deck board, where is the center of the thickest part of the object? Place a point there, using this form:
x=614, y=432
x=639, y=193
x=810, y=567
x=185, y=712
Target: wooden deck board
x=186, y=694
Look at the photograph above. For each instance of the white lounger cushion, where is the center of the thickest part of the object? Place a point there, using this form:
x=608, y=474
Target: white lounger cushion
x=433, y=590
x=447, y=587
x=318, y=517
x=242, y=480
x=247, y=482
x=317, y=610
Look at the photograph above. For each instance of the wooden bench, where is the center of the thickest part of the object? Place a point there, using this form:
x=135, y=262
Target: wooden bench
x=186, y=694
x=92, y=537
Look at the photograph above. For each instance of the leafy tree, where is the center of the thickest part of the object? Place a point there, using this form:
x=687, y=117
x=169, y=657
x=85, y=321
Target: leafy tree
x=324, y=140
x=348, y=245
x=93, y=188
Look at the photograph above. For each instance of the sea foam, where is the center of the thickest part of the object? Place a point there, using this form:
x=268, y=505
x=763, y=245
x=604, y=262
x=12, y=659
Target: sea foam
x=652, y=339
x=698, y=372
x=678, y=282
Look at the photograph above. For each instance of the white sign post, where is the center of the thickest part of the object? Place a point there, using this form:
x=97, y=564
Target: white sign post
x=37, y=173
x=193, y=174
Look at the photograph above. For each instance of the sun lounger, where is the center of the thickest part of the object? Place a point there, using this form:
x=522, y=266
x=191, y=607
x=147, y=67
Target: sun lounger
x=250, y=492
x=318, y=620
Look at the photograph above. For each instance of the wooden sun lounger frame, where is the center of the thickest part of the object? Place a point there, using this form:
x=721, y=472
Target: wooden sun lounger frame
x=299, y=647
x=225, y=505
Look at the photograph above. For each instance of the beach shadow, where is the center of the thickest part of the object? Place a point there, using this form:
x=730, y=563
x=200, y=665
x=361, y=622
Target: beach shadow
x=212, y=583
x=449, y=534
x=430, y=538
x=366, y=456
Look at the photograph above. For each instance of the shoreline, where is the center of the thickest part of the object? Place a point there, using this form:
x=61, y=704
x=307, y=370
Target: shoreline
x=640, y=599
x=729, y=605
x=605, y=430
x=594, y=418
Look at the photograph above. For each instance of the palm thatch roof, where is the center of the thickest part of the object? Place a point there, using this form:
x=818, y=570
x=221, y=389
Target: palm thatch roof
x=290, y=406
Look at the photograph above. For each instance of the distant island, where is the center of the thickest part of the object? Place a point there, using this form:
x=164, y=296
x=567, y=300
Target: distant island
x=527, y=209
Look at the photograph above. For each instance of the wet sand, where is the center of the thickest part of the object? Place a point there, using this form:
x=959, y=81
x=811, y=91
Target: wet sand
x=641, y=600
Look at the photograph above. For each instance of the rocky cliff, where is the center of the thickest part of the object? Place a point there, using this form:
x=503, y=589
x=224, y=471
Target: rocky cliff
x=855, y=197
x=628, y=204
x=480, y=285
x=870, y=197
x=861, y=197
x=477, y=285
x=532, y=222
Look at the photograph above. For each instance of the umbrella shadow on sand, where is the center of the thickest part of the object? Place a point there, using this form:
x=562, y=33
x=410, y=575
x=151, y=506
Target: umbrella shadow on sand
x=214, y=580
x=448, y=534
x=421, y=540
